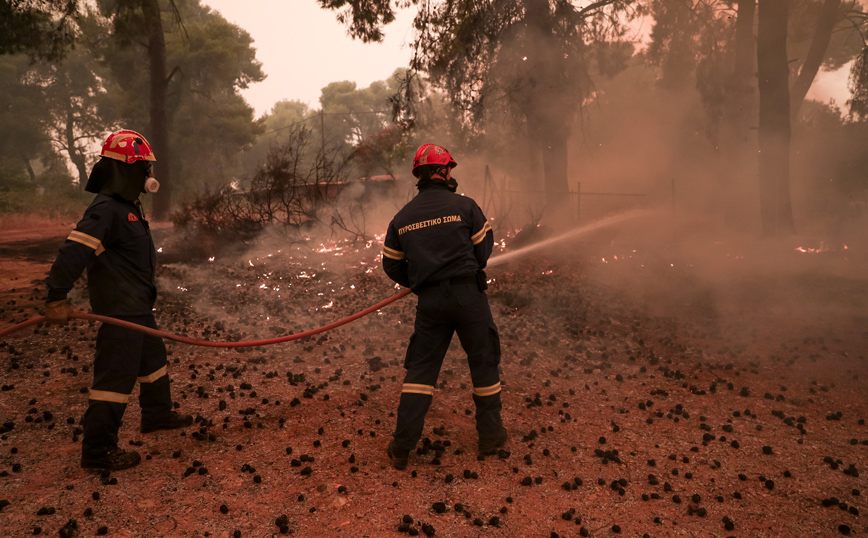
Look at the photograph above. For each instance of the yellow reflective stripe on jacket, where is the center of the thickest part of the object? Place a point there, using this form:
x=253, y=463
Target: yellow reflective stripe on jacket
x=154, y=376
x=392, y=253
x=480, y=235
x=87, y=241
x=487, y=391
x=414, y=388
x=106, y=396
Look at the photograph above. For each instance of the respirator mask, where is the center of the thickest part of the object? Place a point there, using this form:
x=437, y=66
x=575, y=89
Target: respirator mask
x=452, y=184
x=151, y=185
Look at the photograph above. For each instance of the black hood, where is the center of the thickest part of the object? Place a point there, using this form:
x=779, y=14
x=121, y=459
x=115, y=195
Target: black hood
x=110, y=176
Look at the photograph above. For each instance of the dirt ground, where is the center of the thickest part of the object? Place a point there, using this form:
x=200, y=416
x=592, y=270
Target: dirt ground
x=663, y=386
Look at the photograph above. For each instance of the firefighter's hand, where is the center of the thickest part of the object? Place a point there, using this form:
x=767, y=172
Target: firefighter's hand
x=58, y=312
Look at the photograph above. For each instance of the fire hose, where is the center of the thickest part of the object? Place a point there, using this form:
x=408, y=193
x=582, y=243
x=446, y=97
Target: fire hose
x=497, y=260
x=206, y=343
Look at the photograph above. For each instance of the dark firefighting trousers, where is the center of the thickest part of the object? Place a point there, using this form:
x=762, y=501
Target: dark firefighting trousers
x=443, y=309
x=124, y=356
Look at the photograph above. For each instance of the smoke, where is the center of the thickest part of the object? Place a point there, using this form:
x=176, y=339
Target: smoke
x=711, y=281
x=638, y=146
x=662, y=208
x=288, y=278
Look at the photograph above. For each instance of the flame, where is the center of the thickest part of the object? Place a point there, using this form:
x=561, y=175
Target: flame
x=822, y=248
x=160, y=249
x=211, y=259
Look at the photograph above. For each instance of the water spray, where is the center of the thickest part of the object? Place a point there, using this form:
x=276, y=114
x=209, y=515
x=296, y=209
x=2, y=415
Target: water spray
x=497, y=260
x=581, y=230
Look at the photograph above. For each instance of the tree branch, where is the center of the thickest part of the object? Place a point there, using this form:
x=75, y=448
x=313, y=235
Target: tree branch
x=175, y=69
x=816, y=53
x=595, y=5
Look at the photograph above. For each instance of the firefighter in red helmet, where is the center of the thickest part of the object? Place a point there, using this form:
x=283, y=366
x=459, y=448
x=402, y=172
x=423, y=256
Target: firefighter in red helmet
x=113, y=243
x=438, y=245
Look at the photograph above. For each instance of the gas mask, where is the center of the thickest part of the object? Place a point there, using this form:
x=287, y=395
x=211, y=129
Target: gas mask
x=452, y=184
x=151, y=185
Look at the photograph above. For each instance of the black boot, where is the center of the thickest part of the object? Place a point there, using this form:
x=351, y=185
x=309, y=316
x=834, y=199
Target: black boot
x=397, y=456
x=491, y=445
x=172, y=421
x=110, y=459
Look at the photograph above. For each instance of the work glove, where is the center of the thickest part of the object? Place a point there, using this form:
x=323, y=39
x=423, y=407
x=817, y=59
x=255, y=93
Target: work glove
x=58, y=312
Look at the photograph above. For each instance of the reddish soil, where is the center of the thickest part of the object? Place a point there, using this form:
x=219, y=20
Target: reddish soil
x=742, y=393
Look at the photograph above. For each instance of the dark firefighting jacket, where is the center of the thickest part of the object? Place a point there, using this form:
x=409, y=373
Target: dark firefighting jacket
x=113, y=242
x=437, y=235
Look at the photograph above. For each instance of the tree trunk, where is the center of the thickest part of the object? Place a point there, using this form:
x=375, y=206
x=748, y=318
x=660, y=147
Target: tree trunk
x=774, y=118
x=738, y=120
x=74, y=155
x=745, y=48
x=549, y=114
x=816, y=54
x=739, y=105
x=555, y=168
x=159, y=131
x=29, y=167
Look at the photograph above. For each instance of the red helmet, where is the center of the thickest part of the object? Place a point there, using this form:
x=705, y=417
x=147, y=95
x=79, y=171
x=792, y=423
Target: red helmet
x=432, y=154
x=128, y=147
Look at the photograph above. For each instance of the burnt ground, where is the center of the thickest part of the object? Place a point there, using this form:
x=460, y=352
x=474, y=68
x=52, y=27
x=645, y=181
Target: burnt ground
x=660, y=393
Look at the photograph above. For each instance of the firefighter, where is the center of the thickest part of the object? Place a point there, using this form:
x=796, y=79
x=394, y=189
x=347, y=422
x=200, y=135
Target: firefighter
x=438, y=245
x=113, y=242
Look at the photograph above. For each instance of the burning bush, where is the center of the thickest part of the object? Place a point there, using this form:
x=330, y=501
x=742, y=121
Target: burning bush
x=294, y=188
x=225, y=214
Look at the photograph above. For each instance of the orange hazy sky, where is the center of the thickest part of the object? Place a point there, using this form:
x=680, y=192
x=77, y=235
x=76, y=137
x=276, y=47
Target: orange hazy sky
x=303, y=48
